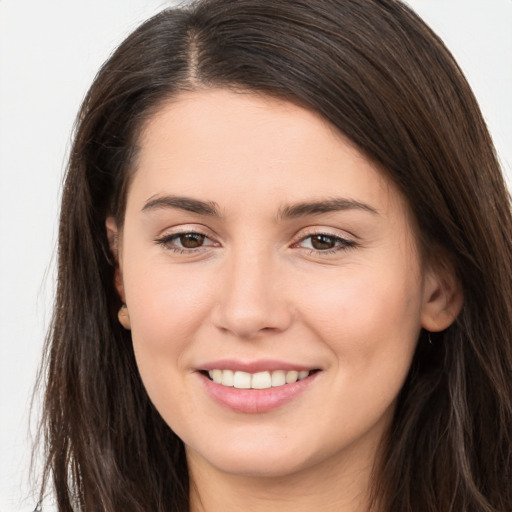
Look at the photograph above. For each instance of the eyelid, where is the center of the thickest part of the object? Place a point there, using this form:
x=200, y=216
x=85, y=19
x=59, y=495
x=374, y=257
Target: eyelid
x=181, y=229
x=167, y=235
x=322, y=230
x=347, y=242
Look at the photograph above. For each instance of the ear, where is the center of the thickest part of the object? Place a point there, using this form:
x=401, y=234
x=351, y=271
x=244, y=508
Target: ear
x=442, y=298
x=124, y=317
x=114, y=243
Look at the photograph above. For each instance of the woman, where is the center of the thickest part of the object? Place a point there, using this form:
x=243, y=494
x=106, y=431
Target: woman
x=284, y=277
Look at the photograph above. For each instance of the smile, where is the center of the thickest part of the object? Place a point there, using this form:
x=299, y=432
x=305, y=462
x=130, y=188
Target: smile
x=259, y=391
x=259, y=380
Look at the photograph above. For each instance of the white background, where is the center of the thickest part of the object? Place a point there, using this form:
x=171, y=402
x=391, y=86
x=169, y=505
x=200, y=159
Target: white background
x=50, y=51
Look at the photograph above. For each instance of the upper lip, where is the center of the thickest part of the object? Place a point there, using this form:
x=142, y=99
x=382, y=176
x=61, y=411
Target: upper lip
x=254, y=366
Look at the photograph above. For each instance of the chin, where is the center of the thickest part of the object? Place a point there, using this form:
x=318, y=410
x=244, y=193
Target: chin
x=259, y=467
x=259, y=458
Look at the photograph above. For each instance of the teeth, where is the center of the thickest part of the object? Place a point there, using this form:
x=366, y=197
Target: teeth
x=278, y=378
x=292, y=377
x=260, y=380
x=228, y=377
x=242, y=380
x=216, y=376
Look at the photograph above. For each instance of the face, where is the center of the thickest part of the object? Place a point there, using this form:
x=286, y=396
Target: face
x=273, y=285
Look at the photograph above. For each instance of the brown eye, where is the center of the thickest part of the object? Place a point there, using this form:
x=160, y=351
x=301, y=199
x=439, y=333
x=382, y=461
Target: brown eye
x=191, y=240
x=187, y=242
x=323, y=242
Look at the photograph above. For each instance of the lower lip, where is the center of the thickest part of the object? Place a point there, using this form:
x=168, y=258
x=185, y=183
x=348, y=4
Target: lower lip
x=255, y=401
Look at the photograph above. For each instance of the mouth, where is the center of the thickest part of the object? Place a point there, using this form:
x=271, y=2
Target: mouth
x=258, y=386
x=259, y=380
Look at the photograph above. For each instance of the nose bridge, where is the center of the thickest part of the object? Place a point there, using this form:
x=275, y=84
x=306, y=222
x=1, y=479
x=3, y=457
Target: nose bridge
x=251, y=299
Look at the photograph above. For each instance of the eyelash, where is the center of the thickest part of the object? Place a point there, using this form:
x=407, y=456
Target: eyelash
x=343, y=243
x=167, y=240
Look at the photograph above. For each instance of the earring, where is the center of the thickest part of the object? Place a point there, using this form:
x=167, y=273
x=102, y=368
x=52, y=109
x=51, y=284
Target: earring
x=124, y=317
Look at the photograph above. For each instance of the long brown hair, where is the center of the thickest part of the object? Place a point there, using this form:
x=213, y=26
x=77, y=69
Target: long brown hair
x=377, y=73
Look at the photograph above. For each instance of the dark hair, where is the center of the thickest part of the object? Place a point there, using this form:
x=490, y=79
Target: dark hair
x=378, y=73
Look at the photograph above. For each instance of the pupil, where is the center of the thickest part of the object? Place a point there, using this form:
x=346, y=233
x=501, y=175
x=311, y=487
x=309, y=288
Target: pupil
x=322, y=242
x=191, y=240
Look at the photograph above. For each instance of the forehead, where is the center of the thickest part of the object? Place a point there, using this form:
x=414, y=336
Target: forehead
x=220, y=145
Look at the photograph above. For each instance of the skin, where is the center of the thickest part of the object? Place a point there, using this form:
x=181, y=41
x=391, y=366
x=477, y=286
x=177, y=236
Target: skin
x=259, y=288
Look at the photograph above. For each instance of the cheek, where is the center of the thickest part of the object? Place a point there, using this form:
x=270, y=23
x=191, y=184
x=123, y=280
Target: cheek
x=167, y=307
x=365, y=300
x=165, y=303
x=370, y=326
x=371, y=321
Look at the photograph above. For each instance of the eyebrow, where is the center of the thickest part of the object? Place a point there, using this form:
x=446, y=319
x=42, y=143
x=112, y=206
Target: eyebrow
x=303, y=209
x=323, y=206
x=188, y=204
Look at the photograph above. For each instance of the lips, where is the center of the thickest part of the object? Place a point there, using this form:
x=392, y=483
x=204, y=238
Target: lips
x=256, y=387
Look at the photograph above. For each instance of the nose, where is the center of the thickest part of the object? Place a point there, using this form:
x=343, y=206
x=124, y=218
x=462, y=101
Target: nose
x=251, y=298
